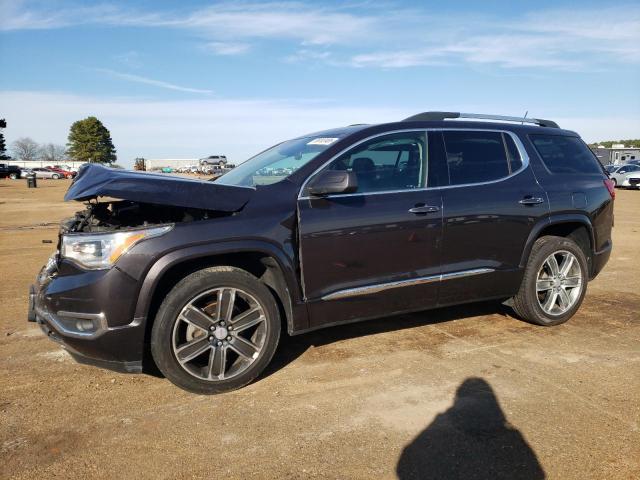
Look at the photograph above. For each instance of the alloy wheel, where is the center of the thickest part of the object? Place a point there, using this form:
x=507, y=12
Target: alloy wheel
x=219, y=334
x=559, y=283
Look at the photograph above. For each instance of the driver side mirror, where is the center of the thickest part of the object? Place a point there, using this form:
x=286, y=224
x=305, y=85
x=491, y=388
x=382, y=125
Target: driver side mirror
x=333, y=181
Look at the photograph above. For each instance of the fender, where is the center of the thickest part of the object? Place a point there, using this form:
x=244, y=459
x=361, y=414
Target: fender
x=296, y=312
x=555, y=220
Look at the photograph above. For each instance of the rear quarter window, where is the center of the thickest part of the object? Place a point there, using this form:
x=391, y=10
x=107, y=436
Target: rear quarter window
x=562, y=154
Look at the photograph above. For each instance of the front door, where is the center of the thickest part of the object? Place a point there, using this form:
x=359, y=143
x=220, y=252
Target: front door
x=376, y=251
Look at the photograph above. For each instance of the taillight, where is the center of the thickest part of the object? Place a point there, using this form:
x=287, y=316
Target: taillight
x=611, y=186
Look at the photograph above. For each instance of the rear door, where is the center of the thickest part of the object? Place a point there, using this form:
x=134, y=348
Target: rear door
x=376, y=251
x=490, y=204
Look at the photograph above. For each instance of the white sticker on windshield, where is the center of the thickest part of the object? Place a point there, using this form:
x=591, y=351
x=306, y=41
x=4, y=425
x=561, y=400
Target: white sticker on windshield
x=322, y=141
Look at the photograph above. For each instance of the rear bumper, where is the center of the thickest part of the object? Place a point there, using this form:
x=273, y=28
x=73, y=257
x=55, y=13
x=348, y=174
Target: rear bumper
x=600, y=259
x=80, y=311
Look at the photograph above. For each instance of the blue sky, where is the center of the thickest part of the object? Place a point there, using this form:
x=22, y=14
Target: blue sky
x=189, y=79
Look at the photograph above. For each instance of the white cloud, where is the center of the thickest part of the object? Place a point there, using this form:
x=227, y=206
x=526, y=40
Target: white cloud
x=283, y=20
x=179, y=129
x=20, y=15
x=150, y=81
x=237, y=128
x=378, y=35
x=227, y=48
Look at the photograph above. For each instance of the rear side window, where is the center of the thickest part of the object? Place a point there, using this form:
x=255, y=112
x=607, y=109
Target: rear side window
x=563, y=154
x=477, y=156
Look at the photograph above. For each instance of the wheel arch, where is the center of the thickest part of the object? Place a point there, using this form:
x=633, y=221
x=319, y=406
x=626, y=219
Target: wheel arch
x=263, y=261
x=578, y=227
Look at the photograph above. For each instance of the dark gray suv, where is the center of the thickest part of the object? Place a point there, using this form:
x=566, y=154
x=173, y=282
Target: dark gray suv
x=332, y=227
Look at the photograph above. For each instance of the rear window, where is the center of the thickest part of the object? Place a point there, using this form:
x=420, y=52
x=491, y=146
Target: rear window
x=563, y=154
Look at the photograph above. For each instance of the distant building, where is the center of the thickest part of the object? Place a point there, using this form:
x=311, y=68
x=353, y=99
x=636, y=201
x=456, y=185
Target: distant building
x=617, y=154
x=160, y=163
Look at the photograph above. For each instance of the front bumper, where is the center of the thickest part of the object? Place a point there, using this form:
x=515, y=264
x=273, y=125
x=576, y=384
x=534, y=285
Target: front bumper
x=90, y=314
x=630, y=182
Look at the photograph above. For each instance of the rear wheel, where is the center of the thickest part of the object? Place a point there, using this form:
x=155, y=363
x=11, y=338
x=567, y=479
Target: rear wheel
x=554, y=283
x=55, y=176
x=216, y=330
x=615, y=182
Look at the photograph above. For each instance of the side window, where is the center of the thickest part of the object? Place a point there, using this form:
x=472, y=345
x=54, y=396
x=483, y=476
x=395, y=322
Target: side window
x=477, y=156
x=388, y=162
x=562, y=154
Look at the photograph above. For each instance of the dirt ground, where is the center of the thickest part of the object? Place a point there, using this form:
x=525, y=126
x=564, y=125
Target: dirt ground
x=467, y=392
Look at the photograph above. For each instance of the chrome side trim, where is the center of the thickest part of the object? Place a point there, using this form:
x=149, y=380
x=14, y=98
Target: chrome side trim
x=369, y=289
x=519, y=145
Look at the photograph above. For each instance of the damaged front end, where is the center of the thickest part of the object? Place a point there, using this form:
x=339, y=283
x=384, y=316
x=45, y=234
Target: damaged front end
x=125, y=214
x=143, y=199
x=82, y=299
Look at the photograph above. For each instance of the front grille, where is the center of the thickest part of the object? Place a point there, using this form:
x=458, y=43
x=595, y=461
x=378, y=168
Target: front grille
x=634, y=181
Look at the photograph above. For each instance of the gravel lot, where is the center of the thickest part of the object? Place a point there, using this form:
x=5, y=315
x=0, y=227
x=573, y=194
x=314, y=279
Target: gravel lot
x=468, y=392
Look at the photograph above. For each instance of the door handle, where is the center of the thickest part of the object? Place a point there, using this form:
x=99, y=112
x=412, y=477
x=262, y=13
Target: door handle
x=420, y=209
x=531, y=200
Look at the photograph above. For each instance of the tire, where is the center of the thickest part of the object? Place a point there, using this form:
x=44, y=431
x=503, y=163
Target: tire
x=615, y=182
x=174, y=335
x=13, y=176
x=541, y=307
x=55, y=176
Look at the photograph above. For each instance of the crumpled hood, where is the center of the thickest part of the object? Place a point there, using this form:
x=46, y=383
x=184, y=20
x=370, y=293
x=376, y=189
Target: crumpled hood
x=94, y=180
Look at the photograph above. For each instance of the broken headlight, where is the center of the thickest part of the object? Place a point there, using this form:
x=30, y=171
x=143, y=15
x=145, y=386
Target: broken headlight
x=99, y=251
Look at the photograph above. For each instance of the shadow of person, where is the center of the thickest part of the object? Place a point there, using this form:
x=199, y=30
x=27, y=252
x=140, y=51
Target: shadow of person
x=471, y=440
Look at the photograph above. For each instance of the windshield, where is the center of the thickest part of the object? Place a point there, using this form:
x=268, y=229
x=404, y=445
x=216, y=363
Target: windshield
x=278, y=162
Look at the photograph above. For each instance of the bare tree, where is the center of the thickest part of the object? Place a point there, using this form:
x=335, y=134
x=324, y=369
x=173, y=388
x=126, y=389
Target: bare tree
x=25, y=149
x=52, y=153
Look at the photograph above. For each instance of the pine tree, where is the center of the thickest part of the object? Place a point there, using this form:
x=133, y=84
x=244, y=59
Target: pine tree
x=3, y=146
x=90, y=141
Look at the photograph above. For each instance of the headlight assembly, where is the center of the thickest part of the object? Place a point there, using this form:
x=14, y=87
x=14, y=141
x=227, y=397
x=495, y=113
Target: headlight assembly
x=98, y=251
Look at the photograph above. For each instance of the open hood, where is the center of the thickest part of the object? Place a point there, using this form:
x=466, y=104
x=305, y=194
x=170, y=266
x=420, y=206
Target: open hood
x=97, y=181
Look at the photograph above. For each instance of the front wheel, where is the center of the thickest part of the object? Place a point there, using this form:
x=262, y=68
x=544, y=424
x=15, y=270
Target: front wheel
x=216, y=331
x=554, y=283
x=13, y=176
x=55, y=176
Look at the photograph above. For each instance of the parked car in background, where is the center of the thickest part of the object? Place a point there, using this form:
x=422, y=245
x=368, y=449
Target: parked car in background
x=620, y=174
x=64, y=173
x=611, y=168
x=214, y=160
x=9, y=171
x=67, y=168
x=25, y=172
x=632, y=180
x=47, y=173
x=376, y=220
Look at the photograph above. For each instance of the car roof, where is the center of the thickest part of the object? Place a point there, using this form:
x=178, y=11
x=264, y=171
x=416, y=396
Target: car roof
x=449, y=123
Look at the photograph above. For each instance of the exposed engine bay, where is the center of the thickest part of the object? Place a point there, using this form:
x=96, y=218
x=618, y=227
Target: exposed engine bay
x=123, y=214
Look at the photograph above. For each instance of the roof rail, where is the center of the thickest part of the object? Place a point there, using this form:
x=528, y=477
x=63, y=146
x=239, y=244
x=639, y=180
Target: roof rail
x=440, y=116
